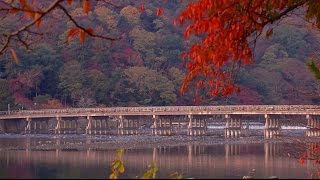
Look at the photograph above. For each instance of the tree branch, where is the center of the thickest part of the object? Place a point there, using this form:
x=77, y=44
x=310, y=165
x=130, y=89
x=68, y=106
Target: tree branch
x=83, y=28
x=17, y=32
x=56, y=4
x=285, y=12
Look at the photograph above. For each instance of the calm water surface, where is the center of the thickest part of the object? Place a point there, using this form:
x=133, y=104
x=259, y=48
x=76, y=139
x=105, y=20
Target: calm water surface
x=193, y=161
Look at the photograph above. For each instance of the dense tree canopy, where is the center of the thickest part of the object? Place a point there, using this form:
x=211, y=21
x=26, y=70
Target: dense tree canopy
x=134, y=57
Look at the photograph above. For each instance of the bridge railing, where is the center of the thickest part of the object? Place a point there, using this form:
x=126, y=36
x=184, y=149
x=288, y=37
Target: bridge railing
x=166, y=108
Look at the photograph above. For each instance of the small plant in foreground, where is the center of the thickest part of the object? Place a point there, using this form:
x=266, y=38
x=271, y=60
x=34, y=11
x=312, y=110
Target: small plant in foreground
x=117, y=166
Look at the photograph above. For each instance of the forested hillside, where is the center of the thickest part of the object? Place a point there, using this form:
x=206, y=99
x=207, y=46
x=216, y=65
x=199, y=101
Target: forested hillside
x=144, y=67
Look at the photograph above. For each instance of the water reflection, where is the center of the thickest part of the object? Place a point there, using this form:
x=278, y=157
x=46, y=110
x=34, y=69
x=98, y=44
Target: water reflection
x=197, y=161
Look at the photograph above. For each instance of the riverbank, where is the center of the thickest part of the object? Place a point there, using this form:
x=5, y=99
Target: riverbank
x=113, y=142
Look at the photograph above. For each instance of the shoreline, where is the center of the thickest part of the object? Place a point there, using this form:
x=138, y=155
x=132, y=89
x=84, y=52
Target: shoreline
x=82, y=142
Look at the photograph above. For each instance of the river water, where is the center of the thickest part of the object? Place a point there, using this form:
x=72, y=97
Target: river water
x=21, y=157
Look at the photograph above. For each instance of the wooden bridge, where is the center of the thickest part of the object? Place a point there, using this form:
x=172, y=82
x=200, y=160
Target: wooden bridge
x=161, y=120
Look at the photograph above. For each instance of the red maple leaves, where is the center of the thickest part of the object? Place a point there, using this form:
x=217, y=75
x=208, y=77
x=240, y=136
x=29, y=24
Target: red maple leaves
x=225, y=28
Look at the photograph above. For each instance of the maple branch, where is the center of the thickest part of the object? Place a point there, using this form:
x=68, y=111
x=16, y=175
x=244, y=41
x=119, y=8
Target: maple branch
x=273, y=19
x=20, y=9
x=10, y=7
x=23, y=42
x=83, y=28
x=285, y=12
x=24, y=28
x=8, y=37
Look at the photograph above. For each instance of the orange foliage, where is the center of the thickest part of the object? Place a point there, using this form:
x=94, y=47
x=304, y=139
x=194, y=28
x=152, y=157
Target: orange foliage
x=82, y=34
x=69, y=2
x=14, y=56
x=159, y=12
x=141, y=7
x=86, y=6
x=225, y=27
x=54, y=104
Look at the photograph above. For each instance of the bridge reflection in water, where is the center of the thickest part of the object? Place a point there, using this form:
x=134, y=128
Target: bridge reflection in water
x=200, y=161
x=164, y=121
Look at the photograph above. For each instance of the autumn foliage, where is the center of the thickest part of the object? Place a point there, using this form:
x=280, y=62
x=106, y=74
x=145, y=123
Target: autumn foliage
x=220, y=35
x=228, y=30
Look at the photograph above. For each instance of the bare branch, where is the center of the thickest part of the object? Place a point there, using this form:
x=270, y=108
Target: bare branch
x=285, y=12
x=17, y=32
x=83, y=28
x=23, y=42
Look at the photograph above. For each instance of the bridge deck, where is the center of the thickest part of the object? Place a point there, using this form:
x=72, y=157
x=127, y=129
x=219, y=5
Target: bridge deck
x=165, y=110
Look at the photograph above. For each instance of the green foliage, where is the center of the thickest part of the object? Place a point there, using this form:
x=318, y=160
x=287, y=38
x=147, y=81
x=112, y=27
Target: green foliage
x=100, y=85
x=145, y=67
x=313, y=68
x=71, y=80
x=151, y=172
x=117, y=166
x=107, y=17
x=293, y=39
x=142, y=80
x=5, y=95
x=131, y=14
x=176, y=175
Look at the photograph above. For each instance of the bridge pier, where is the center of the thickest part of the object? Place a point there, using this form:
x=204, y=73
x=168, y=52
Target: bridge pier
x=57, y=129
x=233, y=126
x=197, y=127
x=28, y=126
x=128, y=126
x=66, y=126
x=272, y=126
x=36, y=126
x=313, y=126
x=97, y=125
x=162, y=126
x=154, y=126
x=89, y=125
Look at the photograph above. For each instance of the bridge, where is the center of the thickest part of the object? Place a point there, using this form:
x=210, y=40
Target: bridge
x=161, y=120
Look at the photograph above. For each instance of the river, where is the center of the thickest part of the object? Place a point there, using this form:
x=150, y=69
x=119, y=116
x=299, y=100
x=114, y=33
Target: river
x=50, y=156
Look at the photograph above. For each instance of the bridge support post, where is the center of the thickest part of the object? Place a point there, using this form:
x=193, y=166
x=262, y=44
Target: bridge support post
x=95, y=126
x=64, y=126
x=40, y=127
x=28, y=126
x=272, y=126
x=179, y=125
x=57, y=129
x=70, y=127
x=313, y=126
x=100, y=126
x=190, y=132
x=120, y=125
x=161, y=126
x=154, y=126
x=106, y=126
x=137, y=126
x=233, y=126
x=127, y=126
x=76, y=126
x=197, y=127
x=89, y=125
